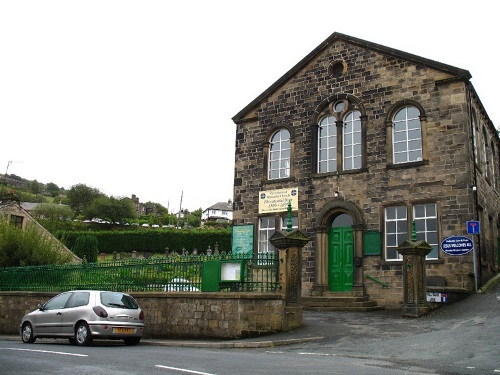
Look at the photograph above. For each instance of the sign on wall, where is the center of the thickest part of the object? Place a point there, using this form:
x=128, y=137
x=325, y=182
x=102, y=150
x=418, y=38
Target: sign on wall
x=277, y=200
x=437, y=297
x=242, y=239
x=457, y=245
x=473, y=227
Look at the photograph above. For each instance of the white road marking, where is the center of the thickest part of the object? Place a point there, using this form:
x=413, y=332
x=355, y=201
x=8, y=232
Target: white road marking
x=183, y=370
x=46, y=351
x=306, y=353
x=318, y=354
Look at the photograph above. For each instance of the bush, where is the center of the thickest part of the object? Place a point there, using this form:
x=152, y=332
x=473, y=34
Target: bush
x=86, y=248
x=153, y=240
x=28, y=247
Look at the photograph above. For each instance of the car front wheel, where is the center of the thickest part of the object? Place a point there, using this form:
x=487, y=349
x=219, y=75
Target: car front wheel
x=82, y=334
x=27, y=333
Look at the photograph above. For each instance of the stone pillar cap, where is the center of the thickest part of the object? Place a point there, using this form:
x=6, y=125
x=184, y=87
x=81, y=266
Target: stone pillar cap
x=283, y=239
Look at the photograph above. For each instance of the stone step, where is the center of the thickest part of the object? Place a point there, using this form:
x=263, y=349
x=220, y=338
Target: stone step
x=344, y=308
x=340, y=302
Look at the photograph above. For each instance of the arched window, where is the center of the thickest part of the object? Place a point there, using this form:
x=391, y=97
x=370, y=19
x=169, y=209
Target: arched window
x=279, y=155
x=340, y=135
x=474, y=135
x=493, y=165
x=352, y=140
x=327, y=145
x=485, y=155
x=407, y=135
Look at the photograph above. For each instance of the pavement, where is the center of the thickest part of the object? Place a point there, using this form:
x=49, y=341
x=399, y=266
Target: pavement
x=378, y=332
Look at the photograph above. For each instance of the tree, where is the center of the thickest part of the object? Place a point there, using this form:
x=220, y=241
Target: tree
x=53, y=189
x=80, y=197
x=86, y=248
x=194, y=218
x=159, y=209
x=54, y=211
x=169, y=219
x=35, y=187
x=112, y=209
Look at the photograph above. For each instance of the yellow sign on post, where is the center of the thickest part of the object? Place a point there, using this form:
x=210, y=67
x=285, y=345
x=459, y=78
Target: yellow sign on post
x=277, y=200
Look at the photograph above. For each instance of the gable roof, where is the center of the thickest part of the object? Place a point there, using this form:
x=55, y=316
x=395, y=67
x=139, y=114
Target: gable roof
x=460, y=73
x=221, y=206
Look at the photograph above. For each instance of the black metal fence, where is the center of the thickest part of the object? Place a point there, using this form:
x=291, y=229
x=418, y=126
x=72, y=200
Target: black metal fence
x=172, y=273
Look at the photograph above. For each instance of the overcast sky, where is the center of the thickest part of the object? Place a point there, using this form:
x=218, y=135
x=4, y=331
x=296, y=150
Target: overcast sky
x=136, y=97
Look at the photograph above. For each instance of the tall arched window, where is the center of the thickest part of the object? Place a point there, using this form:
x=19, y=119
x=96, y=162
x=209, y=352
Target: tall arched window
x=474, y=135
x=352, y=140
x=407, y=135
x=485, y=154
x=327, y=145
x=340, y=142
x=493, y=165
x=279, y=155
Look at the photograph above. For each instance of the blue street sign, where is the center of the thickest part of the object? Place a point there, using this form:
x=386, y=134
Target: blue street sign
x=457, y=245
x=473, y=227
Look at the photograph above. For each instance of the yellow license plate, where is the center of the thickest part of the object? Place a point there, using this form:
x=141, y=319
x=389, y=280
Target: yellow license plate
x=123, y=330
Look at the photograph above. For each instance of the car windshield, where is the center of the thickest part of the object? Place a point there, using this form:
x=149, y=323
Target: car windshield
x=114, y=299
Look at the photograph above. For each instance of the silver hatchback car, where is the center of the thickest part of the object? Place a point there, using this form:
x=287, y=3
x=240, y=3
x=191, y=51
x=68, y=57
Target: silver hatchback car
x=84, y=315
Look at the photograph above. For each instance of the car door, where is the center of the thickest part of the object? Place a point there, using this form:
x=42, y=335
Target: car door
x=76, y=309
x=48, y=318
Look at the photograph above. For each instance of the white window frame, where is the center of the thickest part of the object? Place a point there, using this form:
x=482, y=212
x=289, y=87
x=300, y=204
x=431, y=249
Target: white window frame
x=267, y=227
x=400, y=232
x=352, y=141
x=405, y=142
x=327, y=145
x=279, y=163
x=424, y=230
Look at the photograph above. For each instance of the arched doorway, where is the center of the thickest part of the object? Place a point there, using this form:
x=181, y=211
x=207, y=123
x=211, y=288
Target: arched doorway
x=341, y=254
x=339, y=240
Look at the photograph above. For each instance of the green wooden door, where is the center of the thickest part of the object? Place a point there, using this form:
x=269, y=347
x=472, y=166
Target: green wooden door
x=340, y=259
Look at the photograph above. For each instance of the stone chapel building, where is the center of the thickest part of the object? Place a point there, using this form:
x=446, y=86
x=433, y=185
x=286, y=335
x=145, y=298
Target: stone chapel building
x=368, y=144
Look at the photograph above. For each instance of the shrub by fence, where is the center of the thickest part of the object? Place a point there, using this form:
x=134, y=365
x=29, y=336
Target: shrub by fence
x=260, y=275
x=152, y=240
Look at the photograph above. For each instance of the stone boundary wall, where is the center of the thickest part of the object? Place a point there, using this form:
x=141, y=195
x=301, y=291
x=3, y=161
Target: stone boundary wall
x=182, y=314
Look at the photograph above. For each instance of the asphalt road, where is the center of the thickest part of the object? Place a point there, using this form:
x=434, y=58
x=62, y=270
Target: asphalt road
x=462, y=338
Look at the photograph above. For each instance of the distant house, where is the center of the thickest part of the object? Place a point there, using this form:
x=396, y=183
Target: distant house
x=138, y=206
x=11, y=209
x=31, y=207
x=221, y=212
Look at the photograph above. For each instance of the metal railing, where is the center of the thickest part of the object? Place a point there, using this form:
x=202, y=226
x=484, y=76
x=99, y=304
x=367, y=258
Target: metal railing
x=179, y=273
x=377, y=281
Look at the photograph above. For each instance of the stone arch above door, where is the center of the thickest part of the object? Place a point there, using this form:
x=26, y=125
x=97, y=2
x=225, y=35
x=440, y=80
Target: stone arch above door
x=331, y=209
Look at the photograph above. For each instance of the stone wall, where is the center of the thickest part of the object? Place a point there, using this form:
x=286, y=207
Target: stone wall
x=182, y=315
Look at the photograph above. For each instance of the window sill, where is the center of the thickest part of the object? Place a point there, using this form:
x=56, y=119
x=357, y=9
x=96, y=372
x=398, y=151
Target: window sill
x=277, y=181
x=412, y=164
x=396, y=262
x=338, y=173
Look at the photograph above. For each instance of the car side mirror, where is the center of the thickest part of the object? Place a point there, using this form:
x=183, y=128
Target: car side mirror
x=41, y=306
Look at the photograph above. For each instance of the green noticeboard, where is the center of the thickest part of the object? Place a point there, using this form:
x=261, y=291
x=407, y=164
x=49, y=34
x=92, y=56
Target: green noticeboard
x=372, y=243
x=242, y=239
